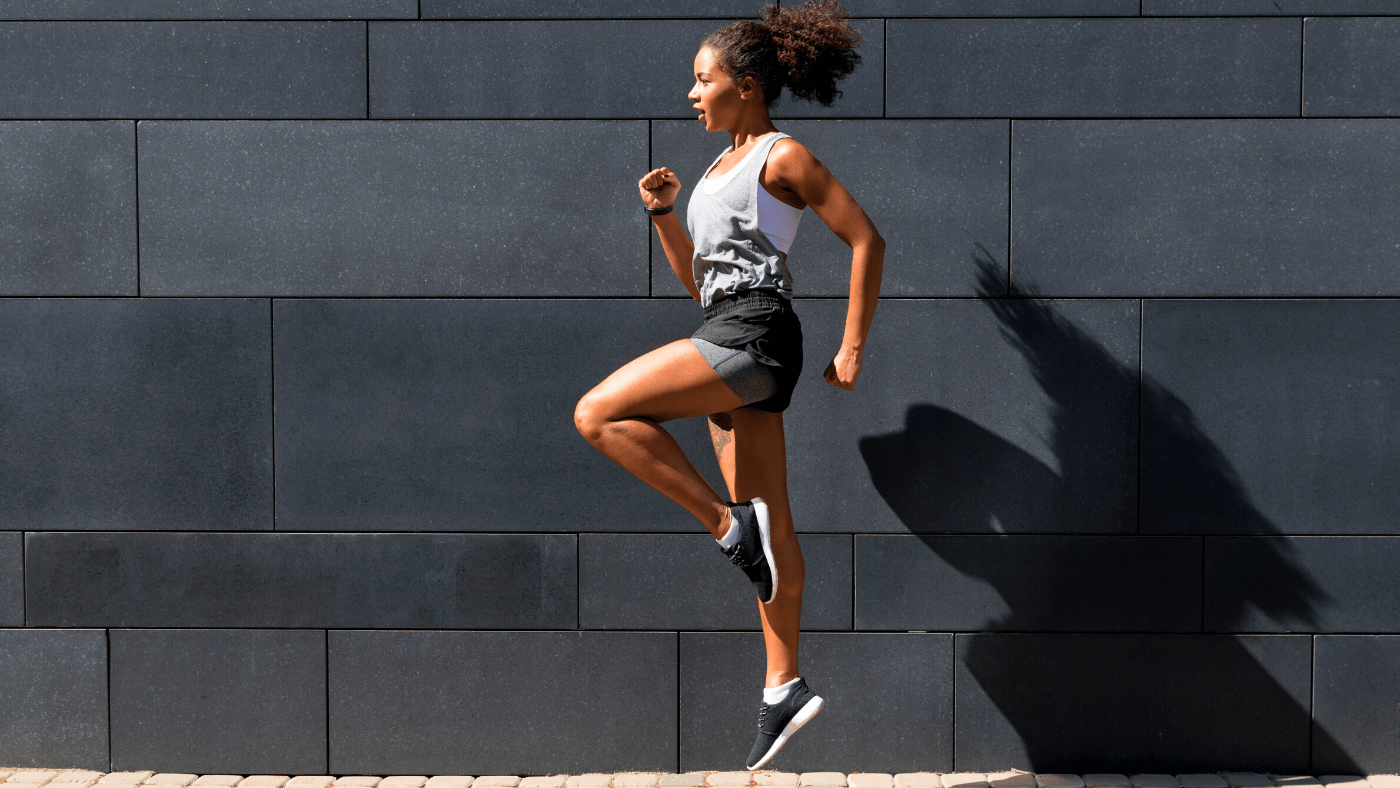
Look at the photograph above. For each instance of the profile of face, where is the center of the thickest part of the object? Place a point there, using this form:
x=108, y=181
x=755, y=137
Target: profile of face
x=718, y=98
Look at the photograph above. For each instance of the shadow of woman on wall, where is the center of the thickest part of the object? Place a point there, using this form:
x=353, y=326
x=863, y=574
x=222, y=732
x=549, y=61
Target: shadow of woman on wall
x=1193, y=700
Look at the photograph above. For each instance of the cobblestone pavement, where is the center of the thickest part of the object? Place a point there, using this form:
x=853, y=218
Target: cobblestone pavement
x=77, y=778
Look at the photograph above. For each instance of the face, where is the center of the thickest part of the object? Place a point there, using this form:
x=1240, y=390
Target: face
x=715, y=95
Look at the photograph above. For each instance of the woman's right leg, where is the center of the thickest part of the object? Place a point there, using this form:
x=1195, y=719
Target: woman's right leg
x=621, y=417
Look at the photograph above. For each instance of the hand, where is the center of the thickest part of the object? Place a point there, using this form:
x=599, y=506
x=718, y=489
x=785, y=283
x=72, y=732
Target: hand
x=844, y=369
x=659, y=188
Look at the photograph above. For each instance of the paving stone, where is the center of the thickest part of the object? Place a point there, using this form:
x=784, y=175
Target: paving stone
x=964, y=780
x=170, y=778
x=917, y=780
x=1202, y=781
x=783, y=779
x=1383, y=780
x=544, y=781
x=1059, y=781
x=4, y=773
x=78, y=776
x=813, y=779
x=415, y=781
x=126, y=778
x=1247, y=780
x=220, y=779
x=636, y=780
x=265, y=781
x=358, y=781
x=1294, y=781
x=1099, y=780
x=32, y=776
x=1154, y=781
x=686, y=780
x=725, y=779
x=588, y=781
x=309, y=780
x=447, y=781
x=871, y=780
x=1343, y=781
x=1019, y=779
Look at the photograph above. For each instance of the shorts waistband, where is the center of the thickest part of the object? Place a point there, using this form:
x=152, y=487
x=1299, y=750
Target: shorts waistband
x=746, y=298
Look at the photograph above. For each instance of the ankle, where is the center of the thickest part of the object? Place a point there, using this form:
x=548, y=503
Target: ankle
x=725, y=533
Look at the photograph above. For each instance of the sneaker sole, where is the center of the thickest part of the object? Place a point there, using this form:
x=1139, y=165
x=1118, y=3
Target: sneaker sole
x=804, y=716
x=765, y=537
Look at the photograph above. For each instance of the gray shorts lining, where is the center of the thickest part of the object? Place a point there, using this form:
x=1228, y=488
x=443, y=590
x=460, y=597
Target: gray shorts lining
x=749, y=380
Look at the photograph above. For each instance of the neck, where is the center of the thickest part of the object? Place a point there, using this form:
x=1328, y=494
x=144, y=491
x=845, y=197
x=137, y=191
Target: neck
x=751, y=128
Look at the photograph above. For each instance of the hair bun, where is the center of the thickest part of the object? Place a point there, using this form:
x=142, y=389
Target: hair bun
x=806, y=49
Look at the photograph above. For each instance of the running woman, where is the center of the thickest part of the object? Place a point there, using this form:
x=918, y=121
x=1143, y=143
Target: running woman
x=740, y=367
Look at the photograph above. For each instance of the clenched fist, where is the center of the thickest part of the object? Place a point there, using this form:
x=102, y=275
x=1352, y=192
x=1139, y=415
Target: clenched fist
x=659, y=188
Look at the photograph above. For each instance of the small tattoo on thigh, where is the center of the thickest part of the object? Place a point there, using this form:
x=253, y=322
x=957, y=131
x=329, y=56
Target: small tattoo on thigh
x=721, y=427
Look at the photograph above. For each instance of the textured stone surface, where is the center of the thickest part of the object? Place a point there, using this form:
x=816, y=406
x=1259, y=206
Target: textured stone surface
x=318, y=781
x=962, y=583
x=142, y=414
x=209, y=9
x=416, y=781
x=1201, y=781
x=126, y=778
x=354, y=781
x=11, y=580
x=894, y=692
x=1356, y=689
x=729, y=779
x=1103, y=780
x=1206, y=207
x=809, y=779
x=222, y=779
x=406, y=415
x=1267, y=7
x=964, y=780
x=686, y=583
x=265, y=780
x=686, y=780
x=449, y=781
x=32, y=776
x=550, y=781
x=775, y=779
x=371, y=208
x=1257, y=688
x=235, y=700
x=1059, y=781
x=932, y=188
x=588, y=781
x=181, y=70
x=917, y=780
x=635, y=780
x=1019, y=779
x=70, y=208
x=531, y=69
x=585, y=9
x=53, y=688
x=1154, y=781
x=514, y=581
x=1121, y=67
x=78, y=776
x=171, y=778
x=436, y=700
x=870, y=780
x=1247, y=780
x=1350, y=65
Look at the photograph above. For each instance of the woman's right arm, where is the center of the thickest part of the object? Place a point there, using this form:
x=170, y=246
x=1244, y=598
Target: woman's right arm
x=659, y=188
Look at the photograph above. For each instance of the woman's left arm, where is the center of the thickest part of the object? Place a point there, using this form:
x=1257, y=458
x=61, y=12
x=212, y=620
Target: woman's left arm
x=793, y=167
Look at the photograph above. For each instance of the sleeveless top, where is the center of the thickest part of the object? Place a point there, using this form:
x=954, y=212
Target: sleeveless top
x=732, y=252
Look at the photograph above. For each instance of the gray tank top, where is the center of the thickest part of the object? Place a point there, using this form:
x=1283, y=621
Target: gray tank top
x=731, y=253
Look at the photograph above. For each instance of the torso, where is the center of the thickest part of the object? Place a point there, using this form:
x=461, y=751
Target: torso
x=766, y=177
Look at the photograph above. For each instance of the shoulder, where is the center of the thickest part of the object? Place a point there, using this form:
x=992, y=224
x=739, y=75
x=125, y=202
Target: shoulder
x=790, y=161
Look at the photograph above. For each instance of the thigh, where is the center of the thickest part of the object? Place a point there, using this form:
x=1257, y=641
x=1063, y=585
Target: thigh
x=752, y=452
x=672, y=382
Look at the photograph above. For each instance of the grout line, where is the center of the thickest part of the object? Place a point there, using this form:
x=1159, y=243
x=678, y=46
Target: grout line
x=136, y=188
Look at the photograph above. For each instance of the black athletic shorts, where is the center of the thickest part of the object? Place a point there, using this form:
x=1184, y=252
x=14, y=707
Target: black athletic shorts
x=762, y=324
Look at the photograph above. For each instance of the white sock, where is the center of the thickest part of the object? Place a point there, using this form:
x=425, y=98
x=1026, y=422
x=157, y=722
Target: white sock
x=776, y=694
x=731, y=537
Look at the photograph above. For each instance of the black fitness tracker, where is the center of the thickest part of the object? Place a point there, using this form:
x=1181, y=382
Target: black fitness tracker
x=658, y=211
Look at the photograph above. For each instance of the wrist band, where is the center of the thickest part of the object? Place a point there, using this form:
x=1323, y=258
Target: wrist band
x=658, y=211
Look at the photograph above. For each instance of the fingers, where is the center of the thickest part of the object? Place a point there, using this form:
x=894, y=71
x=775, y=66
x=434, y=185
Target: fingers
x=657, y=178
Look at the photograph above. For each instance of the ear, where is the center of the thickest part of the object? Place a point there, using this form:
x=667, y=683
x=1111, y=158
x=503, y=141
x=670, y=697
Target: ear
x=748, y=87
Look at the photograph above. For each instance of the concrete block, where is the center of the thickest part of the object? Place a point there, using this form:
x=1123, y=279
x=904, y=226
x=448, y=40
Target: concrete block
x=1123, y=67
x=1349, y=66
x=263, y=781
x=1294, y=781
x=635, y=780
x=1247, y=780
x=220, y=698
x=870, y=780
x=724, y=780
x=917, y=780
x=776, y=779
x=1059, y=781
x=1106, y=781
x=125, y=778
x=1202, y=781
x=811, y=779
x=1347, y=780
x=685, y=780
x=549, y=781
x=588, y=781
x=182, y=439
x=358, y=781
x=1020, y=779
x=1383, y=780
x=311, y=781
x=170, y=778
x=449, y=781
x=305, y=580
x=174, y=70
x=1356, y=686
x=1190, y=190
x=32, y=776
x=222, y=779
x=661, y=592
x=964, y=780
x=51, y=681
x=416, y=781
x=379, y=209
x=1154, y=781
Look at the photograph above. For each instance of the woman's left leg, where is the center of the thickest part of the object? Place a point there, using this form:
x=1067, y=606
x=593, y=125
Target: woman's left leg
x=752, y=453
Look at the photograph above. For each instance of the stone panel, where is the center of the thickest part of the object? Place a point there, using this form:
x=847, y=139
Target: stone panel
x=1267, y=7
x=997, y=416
x=1133, y=703
x=372, y=208
x=1356, y=692
x=1093, y=67
x=985, y=8
x=141, y=414
x=53, y=688
x=475, y=702
x=888, y=702
x=934, y=189
x=458, y=415
x=11, y=579
x=69, y=204
x=219, y=700
x=570, y=69
x=721, y=9
x=209, y=9
x=1352, y=66
x=182, y=70
x=1271, y=417
x=1206, y=207
x=1028, y=583
x=683, y=582
x=1302, y=584
x=498, y=581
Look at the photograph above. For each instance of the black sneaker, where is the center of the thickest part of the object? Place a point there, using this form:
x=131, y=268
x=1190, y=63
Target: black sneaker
x=776, y=723
x=753, y=553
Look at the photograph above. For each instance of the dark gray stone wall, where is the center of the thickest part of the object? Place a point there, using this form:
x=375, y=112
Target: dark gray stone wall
x=298, y=297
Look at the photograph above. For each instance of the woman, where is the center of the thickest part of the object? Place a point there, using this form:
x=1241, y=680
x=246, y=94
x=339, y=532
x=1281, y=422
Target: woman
x=741, y=365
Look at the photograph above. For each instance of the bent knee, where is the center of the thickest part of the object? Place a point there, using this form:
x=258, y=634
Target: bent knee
x=590, y=416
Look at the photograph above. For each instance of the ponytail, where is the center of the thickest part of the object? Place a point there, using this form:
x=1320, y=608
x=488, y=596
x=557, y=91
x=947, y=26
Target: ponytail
x=806, y=49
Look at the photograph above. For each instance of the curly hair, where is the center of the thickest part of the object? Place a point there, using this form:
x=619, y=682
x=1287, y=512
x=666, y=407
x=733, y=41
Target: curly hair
x=805, y=49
